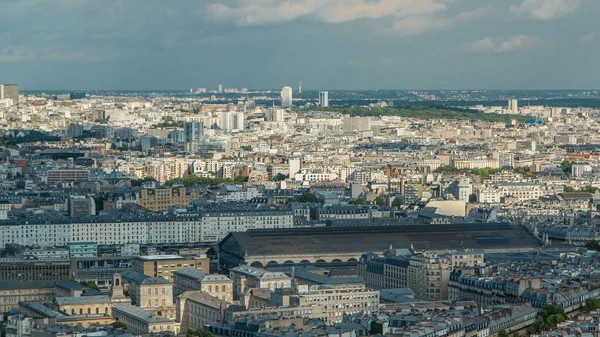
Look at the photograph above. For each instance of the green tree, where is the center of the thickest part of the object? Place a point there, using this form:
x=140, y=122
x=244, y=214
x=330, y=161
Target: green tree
x=591, y=304
x=90, y=284
x=380, y=201
x=502, y=333
x=308, y=198
x=356, y=202
x=472, y=198
x=138, y=182
x=198, y=333
x=593, y=245
x=566, y=166
x=280, y=177
x=569, y=189
x=119, y=325
x=446, y=169
x=397, y=202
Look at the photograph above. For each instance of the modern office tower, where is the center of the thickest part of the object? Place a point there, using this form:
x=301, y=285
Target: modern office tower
x=286, y=97
x=77, y=95
x=10, y=91
x=324, y=99
x=300, y=87
x=75, y=130
x=220, y=88
x=512, y=106
x=193, y=133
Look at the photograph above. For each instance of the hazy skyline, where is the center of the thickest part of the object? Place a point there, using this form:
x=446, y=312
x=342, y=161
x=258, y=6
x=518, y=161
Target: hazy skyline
x=328, y=44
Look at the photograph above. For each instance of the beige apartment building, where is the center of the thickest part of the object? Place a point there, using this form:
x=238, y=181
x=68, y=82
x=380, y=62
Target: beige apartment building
x=429, y=273
x=153, y=294
x=161, y=199
x=246, y=277
x=13, y=292
x=188, y=279
x=196, y=309
x=164, y=265
x=140, y=321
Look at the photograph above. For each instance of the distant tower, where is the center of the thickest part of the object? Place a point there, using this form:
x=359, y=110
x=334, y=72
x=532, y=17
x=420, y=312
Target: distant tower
x=324, y=99
x=286, y=97
x=220, y=88
x=513, y=106
x=300, y=87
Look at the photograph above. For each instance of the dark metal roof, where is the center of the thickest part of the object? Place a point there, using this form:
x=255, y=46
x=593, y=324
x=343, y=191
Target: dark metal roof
x=301, y=241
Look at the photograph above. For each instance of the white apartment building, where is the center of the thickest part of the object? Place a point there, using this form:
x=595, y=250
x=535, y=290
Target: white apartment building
x=217, y=224
x=210, y=227
x=527, y=191
x=579, y=170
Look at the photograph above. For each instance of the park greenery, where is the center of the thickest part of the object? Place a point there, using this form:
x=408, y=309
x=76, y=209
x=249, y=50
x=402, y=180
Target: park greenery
x=589, y=189
x=168, y=122
x=308, y=198
x=119, y=325
x=192, y=179
x=591, y=304
x=30, y=136
x=198, y=333
x=379, y=201
x=427, y=112
x=397, y=202
x=593, y=245
x=551, y=315
x=356, y=202
x=138, y=182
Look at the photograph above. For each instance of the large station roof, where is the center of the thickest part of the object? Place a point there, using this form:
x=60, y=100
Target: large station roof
x=302, y=241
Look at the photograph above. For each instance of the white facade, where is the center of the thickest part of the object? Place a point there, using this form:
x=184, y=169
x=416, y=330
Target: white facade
x=211, y=227
x=578, y=170
x=286, y=97
x=295, y=165
x=324, y=99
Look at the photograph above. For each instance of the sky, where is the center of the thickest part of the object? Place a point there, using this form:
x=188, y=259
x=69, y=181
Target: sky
x=326, y=44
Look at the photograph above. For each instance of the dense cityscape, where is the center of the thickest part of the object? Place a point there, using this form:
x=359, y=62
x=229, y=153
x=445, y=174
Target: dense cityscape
x=239, y=212
x=299, y=168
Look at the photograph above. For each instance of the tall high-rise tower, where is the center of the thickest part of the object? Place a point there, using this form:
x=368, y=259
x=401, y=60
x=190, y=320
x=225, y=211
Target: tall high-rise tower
x=512, y=106
x=193, y=135
x=220, y=88
x=300, y=87
x=286, y=97
x=324, y=99
x=10, y=91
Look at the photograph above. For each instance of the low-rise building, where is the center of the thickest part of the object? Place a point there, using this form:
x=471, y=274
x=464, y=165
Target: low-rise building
x=140, y=321
x=246, y=277
x=196, y=309
x=187, y=279
x=164, y=265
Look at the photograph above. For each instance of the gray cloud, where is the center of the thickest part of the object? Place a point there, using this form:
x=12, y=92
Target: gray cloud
x=546, y=9
x=515, y=42
x=153, y=44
